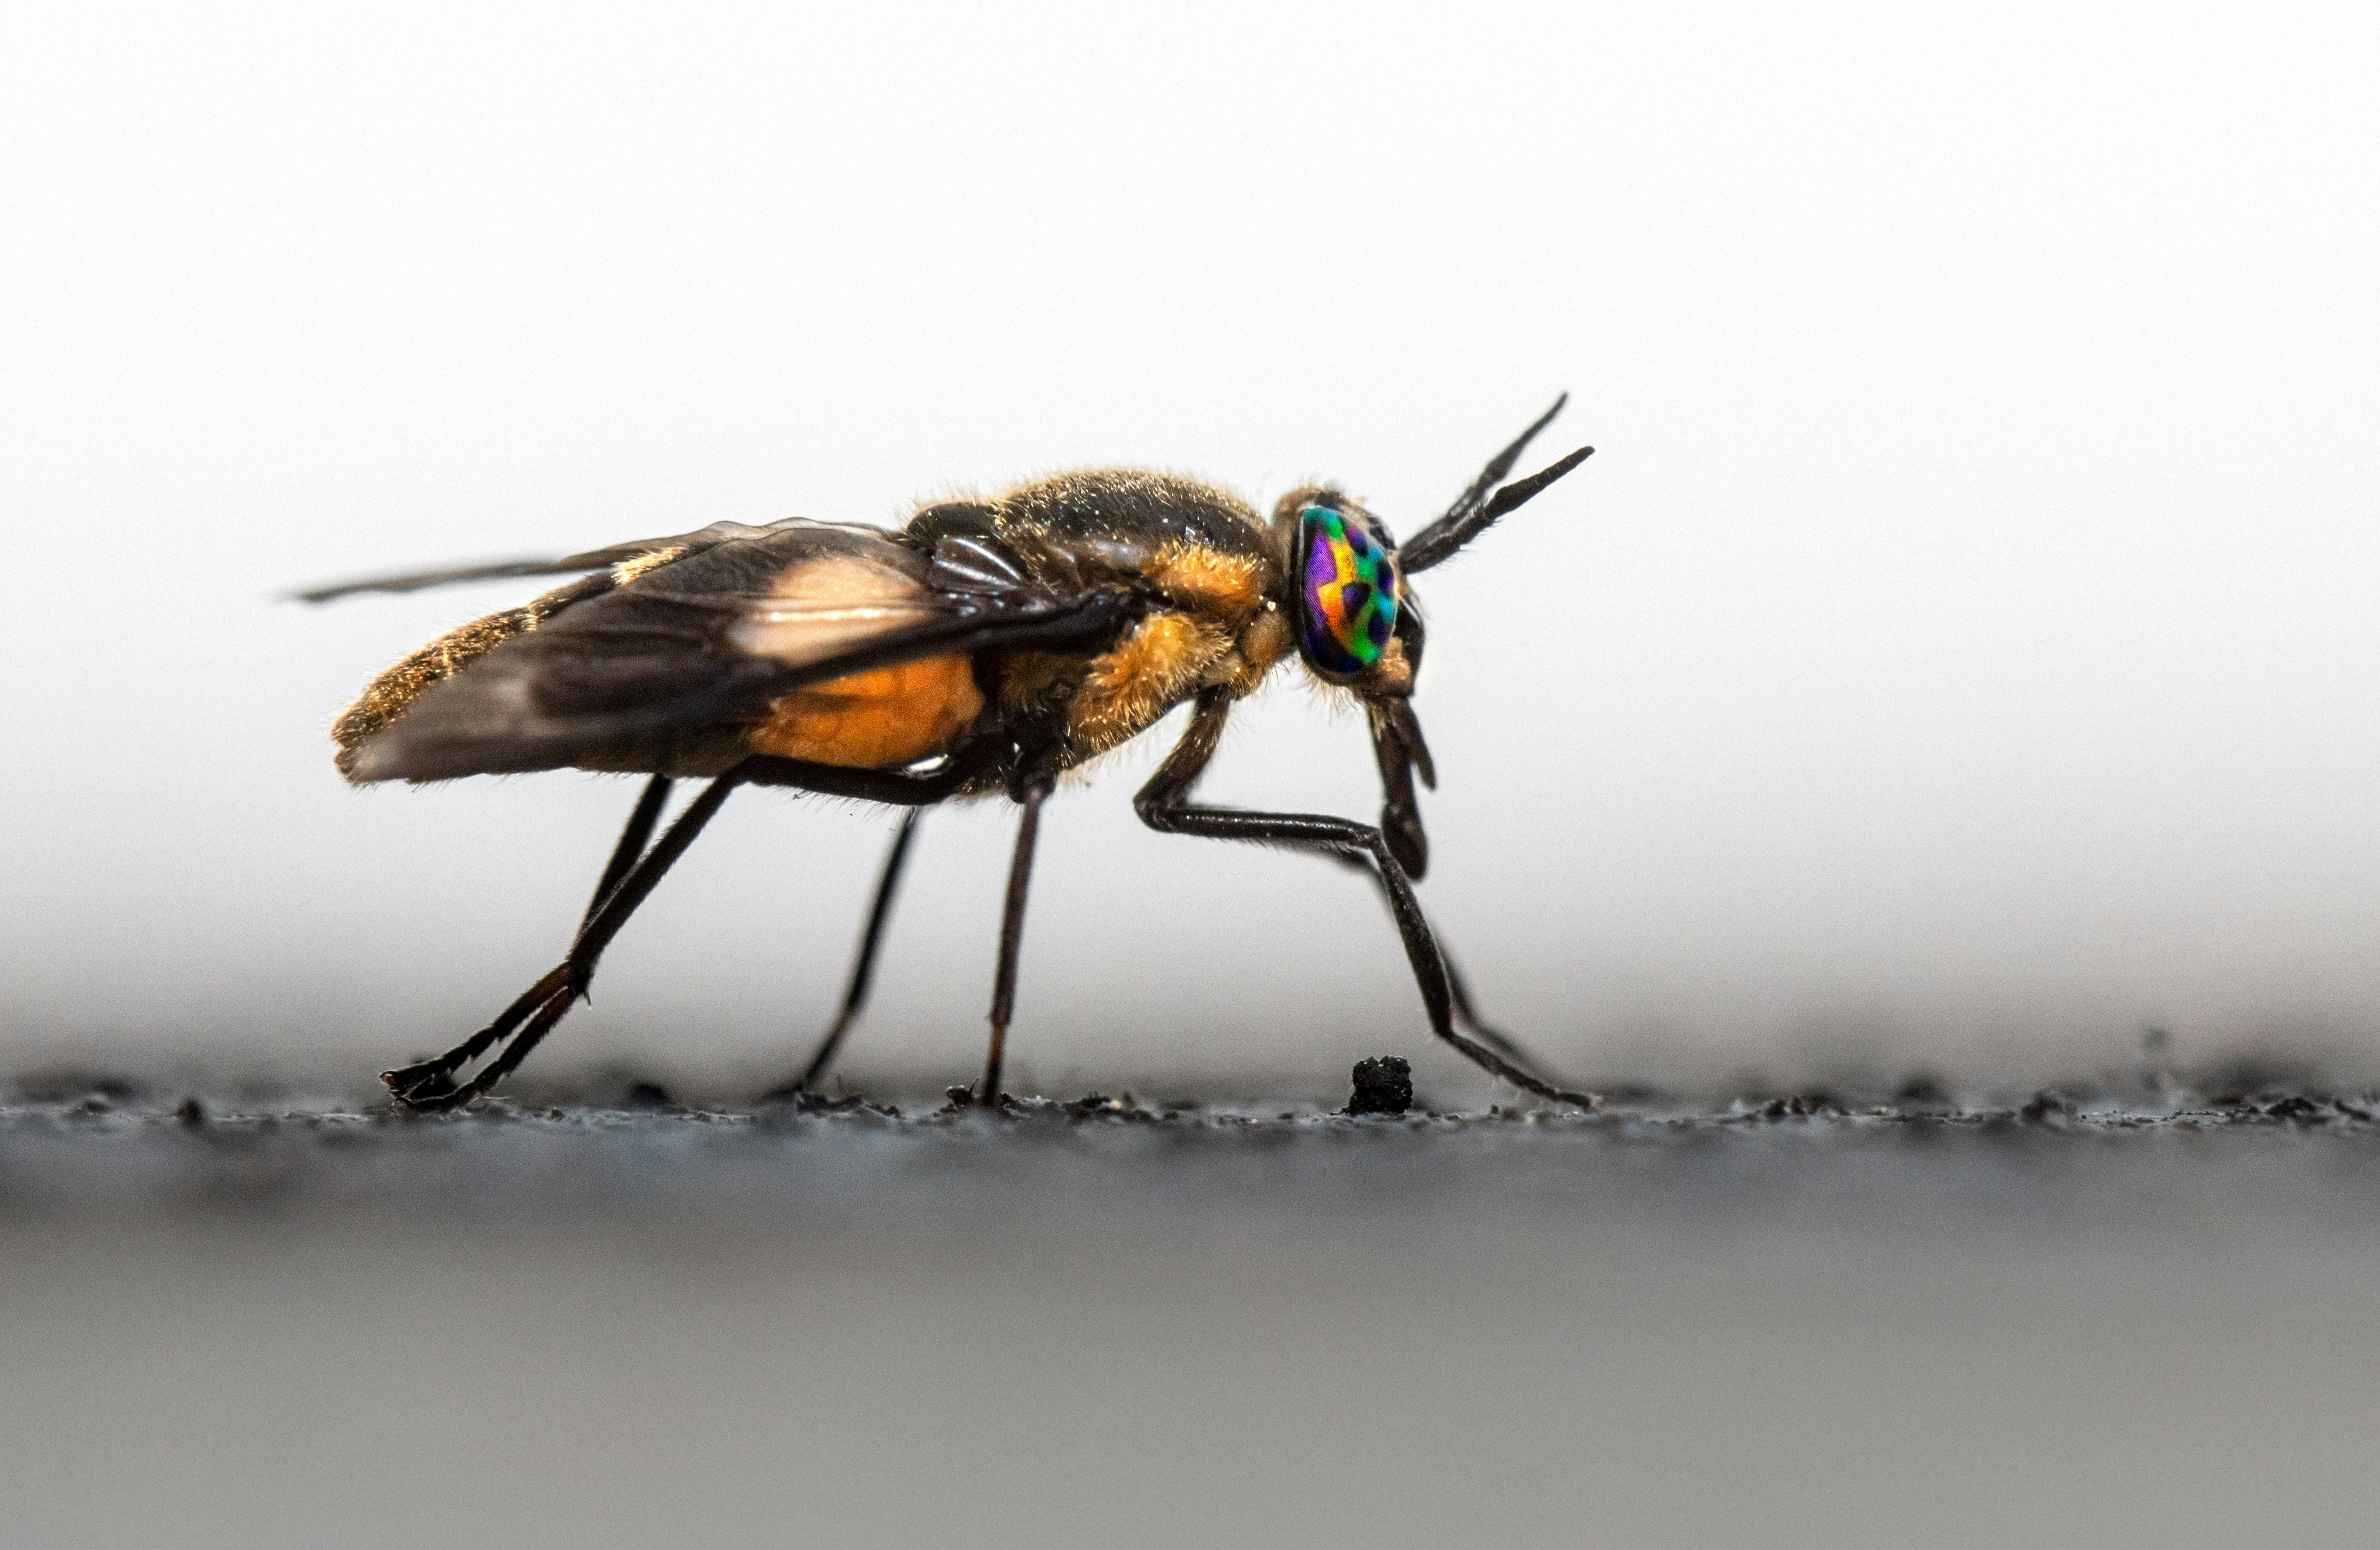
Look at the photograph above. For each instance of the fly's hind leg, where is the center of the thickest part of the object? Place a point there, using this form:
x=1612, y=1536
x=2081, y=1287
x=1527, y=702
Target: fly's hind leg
x=628, y=880
x=1165, y=805
x=425, y=1081
x=430, y=1085
x=632, y=840
x=863, y=969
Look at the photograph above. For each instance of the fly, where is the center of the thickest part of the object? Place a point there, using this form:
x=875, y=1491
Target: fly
x=978, y=651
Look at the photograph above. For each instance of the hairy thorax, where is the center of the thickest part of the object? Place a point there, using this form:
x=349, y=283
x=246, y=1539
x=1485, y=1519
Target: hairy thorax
x=1203, y=558
x=1100, y=702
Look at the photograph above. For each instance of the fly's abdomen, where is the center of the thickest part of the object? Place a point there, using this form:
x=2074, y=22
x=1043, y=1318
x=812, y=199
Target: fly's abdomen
x=879, y=719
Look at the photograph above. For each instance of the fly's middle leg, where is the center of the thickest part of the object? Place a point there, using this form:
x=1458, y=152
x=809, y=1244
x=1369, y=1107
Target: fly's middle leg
x=1030, y=793
x=863, y=969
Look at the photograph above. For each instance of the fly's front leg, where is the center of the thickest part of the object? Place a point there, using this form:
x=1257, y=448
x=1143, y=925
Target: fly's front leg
x=1466, y=1015
x=427, y=1086
x=1165, y=805
x=863, y=970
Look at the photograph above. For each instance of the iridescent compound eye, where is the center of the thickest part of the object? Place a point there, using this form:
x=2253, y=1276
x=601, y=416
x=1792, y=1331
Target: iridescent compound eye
x=1347, y=592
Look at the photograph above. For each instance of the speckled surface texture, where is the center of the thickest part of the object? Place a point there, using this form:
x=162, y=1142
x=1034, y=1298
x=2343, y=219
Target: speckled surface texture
x=2132, y=1314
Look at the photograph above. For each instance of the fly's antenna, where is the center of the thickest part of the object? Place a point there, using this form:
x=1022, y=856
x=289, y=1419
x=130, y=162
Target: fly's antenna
x=1478, y=509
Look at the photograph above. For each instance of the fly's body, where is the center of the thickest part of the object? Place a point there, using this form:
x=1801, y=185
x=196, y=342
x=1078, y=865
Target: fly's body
x=980, y=649
x=1174, y=581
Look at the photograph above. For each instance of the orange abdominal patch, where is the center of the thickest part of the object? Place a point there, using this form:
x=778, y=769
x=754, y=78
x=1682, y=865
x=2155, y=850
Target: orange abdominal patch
x=880, y=719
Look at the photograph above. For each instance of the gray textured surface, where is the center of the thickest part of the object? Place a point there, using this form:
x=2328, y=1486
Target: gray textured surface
x=2143, y=1321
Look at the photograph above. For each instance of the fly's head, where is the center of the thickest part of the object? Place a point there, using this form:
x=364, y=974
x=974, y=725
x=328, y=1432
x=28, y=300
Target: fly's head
x=1357, y=628
x=1347, y=600
x=1343, y=586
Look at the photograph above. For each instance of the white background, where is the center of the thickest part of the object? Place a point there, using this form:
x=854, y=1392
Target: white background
x=1961, y=647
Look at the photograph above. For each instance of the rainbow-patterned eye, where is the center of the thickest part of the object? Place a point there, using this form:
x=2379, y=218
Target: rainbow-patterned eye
x=1347, y=592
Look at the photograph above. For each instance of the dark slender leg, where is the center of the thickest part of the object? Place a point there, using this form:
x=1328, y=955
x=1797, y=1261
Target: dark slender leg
x=429, y=1078
x=426, y=1086
x=632, y=840
x=1163, y=804
x=914, y=791
x=854, y=995
x=1464, y=1013
x=1029, y=796
x=1396, y=743
x=973, y=766
x=893, y=787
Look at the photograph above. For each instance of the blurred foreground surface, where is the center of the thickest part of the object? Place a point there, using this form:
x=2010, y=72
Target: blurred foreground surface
x=283, y=1318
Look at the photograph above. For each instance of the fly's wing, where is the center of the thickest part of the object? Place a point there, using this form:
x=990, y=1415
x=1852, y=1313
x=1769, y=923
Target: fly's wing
x=707, y=641
x=593, y=560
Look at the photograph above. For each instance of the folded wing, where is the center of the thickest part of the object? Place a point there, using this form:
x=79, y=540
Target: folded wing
x=675, y=545
x=676, y=668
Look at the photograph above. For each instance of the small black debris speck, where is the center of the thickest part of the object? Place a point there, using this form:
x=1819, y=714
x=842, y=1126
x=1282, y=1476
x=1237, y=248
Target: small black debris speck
x=645, y=1095
x=191, y=1112
x=1383, y=1085
x=2044, y=1104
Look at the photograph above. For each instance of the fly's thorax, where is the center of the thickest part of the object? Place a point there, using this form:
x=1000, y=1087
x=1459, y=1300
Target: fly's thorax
x=1128, y=525
x=1344, y=590
x=1197, y=562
